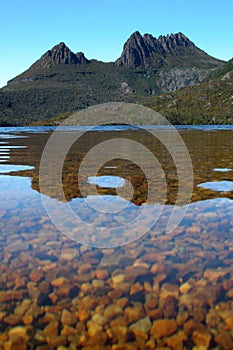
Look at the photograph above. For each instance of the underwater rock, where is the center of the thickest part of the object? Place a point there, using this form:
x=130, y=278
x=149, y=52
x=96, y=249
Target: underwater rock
x=163, y=328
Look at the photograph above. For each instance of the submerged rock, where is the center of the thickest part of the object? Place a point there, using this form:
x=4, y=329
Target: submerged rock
x=142, y=327
x=68, y=318
x=202, y=337
x=24, y=332
x=15, y=343
x=11, y=295
x=135, y=313
x=112, y=311
x=162, y=328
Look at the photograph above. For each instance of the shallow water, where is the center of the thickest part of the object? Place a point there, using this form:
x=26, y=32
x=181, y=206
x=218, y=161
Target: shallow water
x=62, y=293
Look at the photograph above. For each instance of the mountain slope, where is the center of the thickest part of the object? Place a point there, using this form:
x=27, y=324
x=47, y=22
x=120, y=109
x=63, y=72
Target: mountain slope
x=210, y=102
x=62, y=81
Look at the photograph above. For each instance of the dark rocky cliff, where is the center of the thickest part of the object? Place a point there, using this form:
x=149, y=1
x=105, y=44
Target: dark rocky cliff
x=148, y=51
x=61, y=54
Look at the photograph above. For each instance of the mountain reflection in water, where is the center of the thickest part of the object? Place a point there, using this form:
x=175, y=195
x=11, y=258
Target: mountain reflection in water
x=54, y=290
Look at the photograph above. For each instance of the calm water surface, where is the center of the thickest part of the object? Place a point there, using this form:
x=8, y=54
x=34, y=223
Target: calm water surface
x=62, y=293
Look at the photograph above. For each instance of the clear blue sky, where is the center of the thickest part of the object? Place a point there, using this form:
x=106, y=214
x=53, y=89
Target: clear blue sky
x=99, y=28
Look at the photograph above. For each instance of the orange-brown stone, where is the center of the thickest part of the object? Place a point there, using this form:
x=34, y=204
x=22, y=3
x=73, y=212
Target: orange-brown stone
x=163, y=328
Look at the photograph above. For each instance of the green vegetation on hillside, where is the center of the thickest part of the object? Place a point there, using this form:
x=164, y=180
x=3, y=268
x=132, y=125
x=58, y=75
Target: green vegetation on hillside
x=41, y=94
x=207, y=103
x=61, y=82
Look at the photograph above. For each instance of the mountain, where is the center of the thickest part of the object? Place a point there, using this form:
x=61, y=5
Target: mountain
x=61, y=55
x=62, y=81
x=174, y=49
x=210, y=102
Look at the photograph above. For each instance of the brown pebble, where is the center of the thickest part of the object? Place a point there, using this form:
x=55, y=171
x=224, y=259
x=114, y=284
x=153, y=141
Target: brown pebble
x=84, y=268
x=24, y=332
x=119, y=321
x=191, y=326
x=56, y=341
x=176, y=341
x=163, y=328
x=182, y=316
x=213, y=320
x=36, y=275
x=141, y=328
x=101, y=274
x=199, y=314
x=3, y=337
x=153, y=257
x=20, y=282
x=119, y=334
x=27, y=319
x=137, y=287
x=45, y=287
x=116, y=294
x=157, y=268
x=12, y=320
x=66, y=290
x=85, y=277
x=227, y=285
x=51, y=329
x=112, y=311
x=202, y=337
x=228, y=324
x=83, y=315
x=131, y=273
x=230, y=293
x=133, y=314
x=185, y=288
x=22, y=307
x=201, y=296
x=152, y=301
x=94, y=328
x=58, y=282
x=213, y=275
x=155, y=314
x=68, y=318
x=168, y=290
x=96, y=342
x=160, y=278
x=86, y=288
x=49, y=317
x=67, y=330
x=170, y=307
x=148, y=287
x=123, y=287
x=193, y=229
x=122, y=302
x=125, y=346
x=15, y=343
x=11, y=295
x=224, y=339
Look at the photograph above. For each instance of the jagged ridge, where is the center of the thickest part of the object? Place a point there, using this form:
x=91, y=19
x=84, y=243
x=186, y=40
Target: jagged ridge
x=61, y=54
x=146, y=51
x=62, y=81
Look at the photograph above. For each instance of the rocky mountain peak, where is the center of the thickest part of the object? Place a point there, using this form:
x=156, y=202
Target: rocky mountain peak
x=175, y=40
x=135, y=51
x=81, y=58
x=61, y=55
x=147, y=50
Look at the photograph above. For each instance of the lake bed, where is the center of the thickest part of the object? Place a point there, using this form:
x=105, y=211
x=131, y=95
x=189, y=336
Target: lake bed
x=164, y=290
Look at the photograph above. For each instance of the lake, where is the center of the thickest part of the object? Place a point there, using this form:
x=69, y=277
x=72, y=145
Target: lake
x=124, y=246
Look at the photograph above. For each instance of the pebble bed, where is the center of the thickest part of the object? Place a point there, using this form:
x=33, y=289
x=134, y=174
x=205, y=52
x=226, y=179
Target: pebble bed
x=164, y=291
